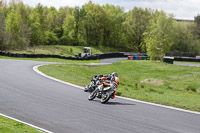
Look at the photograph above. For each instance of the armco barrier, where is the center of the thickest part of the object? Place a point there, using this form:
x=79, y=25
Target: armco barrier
x=189, y=59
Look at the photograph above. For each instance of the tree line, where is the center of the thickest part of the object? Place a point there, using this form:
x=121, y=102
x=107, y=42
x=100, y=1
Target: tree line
x=139, y=30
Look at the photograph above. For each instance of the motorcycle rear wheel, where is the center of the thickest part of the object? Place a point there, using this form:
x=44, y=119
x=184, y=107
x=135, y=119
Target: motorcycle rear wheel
x=105, y=97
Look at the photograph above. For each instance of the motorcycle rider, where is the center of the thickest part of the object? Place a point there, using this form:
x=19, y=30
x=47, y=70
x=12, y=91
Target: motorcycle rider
x=109, y=78
x=115, y=79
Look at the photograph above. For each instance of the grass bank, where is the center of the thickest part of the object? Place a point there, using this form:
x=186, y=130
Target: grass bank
x=62, y=50
x=155, y=82
x=10, y=126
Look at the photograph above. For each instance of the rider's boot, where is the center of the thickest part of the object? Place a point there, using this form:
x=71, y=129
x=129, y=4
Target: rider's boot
x=113, y=95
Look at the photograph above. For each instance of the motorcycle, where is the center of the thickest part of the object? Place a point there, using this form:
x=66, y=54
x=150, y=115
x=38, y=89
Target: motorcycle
x=93, y=84
x=104, y=91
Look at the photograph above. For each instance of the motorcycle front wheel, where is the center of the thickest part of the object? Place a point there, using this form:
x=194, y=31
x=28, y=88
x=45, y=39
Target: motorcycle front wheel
x=105, y=97
x=92, y=95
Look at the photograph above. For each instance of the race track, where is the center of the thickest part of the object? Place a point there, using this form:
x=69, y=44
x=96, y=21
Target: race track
x=30, y=97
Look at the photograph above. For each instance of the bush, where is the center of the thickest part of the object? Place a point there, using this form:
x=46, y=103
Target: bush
x=71, y=50
x=191, y=88
x=155, y=91
x=50, y=38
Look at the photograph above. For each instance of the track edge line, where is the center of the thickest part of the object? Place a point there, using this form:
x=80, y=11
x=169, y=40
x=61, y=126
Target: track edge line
x=28, y=124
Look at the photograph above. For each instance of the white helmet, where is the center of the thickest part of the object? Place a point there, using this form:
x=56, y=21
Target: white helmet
x=115, y=74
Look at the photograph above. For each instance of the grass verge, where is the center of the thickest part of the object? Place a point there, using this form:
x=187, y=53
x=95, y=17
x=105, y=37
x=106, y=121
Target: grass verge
x=10, y=126
x=155, y=82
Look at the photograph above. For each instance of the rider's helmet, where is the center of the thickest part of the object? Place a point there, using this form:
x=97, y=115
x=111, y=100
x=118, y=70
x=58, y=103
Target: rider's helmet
x=114, y=74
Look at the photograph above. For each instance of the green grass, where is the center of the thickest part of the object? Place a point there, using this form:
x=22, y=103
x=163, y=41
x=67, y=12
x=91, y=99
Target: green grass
x=62, y=50
x=155, y=82
x=10, y=126
x=51, y=60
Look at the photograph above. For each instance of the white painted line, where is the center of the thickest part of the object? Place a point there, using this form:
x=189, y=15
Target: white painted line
x=159, y=105
x=35, y=68
x=40, y=129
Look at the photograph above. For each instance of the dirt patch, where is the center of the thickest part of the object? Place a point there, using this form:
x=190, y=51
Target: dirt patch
x=153, y=81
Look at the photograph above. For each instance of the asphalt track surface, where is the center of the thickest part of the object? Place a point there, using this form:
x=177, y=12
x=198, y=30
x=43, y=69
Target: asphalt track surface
x=30, y=97
x=111, y=60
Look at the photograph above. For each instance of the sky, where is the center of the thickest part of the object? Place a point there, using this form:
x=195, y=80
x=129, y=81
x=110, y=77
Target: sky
x=182, y=9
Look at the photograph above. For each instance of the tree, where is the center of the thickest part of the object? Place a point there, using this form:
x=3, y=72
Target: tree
x=12, y=30
x=93, y=22
x=2, y=26
x=139, y=30
x=71, y=27
x=161, y=35
x=76, y=14
x=196, y=27
x=35, y=29
x=183, y=36
x=51, y=18
x=37, y=26
x=113, y=28
x=59, y=30
x=135, y=25
x=22, y=16
x=50, y=38
x=63, y=11
x=69, y=30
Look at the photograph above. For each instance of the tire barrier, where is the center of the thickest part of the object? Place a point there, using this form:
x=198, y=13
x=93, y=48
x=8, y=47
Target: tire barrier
x=137, y=57
x=145, y=57
x=130, y=57
x=92, y=57
x=169, y=60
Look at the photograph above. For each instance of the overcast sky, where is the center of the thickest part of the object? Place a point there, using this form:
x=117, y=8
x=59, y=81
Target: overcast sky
x=182, y=9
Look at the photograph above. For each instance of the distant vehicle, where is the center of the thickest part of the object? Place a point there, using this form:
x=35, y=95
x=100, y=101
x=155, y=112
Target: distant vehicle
x=86, y=52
